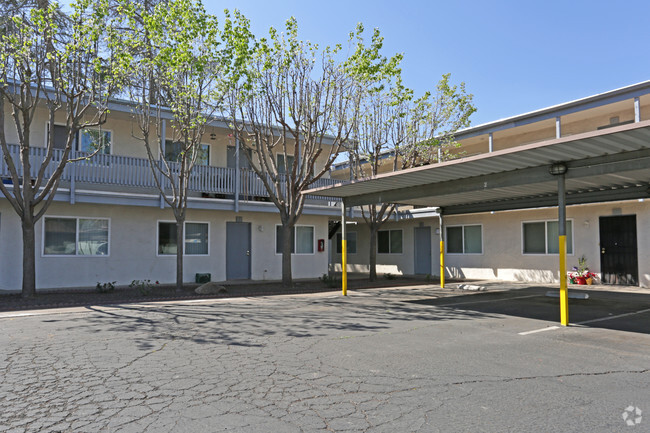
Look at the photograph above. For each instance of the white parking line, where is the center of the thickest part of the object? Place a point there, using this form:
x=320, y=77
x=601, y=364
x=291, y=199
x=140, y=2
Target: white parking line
x=549, y=328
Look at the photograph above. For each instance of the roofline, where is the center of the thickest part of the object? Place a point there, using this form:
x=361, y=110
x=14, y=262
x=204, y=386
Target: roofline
x=553, y=111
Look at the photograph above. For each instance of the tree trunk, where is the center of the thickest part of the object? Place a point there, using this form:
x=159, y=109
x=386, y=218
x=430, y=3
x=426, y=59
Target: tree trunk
x=29, y=259
x=180, y=246
x=287, y=243
x=372, y=260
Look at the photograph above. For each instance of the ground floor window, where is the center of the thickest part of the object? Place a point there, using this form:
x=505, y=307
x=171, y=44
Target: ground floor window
x=64, y=236
x=351, y=237
x=302, y=243
x=465, y=239
x=541, y=237
x=196, y=238
x=389, y=241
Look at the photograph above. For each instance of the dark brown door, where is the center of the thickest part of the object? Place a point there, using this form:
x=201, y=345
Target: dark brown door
x=618, y=252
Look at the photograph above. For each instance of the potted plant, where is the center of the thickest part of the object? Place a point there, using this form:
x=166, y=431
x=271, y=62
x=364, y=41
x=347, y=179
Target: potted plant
x=581, y=274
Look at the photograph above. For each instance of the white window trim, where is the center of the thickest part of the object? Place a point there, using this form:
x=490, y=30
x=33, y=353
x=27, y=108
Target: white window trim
x=463, y=240
x=546, y=238
x=78, y=139
x=390, y=254
x=184, y=233
x=347, y=233
x=76, y=218
x=314, y=246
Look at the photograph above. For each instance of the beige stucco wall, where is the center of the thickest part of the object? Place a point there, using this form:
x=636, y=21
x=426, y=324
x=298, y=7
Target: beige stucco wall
x=503, y=257
x=133, y=254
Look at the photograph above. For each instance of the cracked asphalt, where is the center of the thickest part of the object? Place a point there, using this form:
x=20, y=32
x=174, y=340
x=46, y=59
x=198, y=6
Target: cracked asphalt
x=416, y=359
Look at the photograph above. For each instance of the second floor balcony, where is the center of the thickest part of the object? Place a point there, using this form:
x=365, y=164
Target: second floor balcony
x=125, y=174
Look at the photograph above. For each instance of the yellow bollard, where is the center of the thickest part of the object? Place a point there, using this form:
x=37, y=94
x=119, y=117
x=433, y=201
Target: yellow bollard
x=442, y=264
x=344, y=273
x=564, y=293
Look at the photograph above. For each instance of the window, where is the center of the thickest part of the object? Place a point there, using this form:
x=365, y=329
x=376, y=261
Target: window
x=541, y=237
x=352, y=242
x=196, y=238
x=282, y=167
x=465, y=239
x=173, y=151
x=75, y=237
x=92, y=139
x=303, y=240
x=389, y=241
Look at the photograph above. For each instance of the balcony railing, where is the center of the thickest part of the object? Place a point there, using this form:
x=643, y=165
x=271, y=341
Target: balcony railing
x=127, y=171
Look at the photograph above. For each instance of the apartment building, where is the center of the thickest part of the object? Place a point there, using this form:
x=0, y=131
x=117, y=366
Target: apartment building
x=611, y=232
x=108, y=221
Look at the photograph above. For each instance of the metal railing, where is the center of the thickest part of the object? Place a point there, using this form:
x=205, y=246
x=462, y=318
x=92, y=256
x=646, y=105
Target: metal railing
x=128, y=171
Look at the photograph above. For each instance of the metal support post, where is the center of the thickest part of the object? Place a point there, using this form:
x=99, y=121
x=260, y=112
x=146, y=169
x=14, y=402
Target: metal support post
x=344, y=253
x=564, y=295
x=442, y=249
x=237, y=174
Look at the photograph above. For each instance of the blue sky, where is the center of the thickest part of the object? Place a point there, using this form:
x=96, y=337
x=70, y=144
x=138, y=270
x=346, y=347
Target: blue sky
x=514, y=56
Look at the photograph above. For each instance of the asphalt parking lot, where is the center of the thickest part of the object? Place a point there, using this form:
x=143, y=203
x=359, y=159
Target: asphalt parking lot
x=381, y=360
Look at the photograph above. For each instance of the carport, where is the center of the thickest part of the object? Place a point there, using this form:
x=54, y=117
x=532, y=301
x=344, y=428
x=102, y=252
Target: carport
x=605, y=165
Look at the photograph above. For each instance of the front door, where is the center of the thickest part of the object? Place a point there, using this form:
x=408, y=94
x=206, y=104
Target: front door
x=618, y=252
x=423, y=250
x=238, y=251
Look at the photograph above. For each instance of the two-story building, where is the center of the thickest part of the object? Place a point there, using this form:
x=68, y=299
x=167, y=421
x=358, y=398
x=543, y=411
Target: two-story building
x=611, y=233
x=108, y=221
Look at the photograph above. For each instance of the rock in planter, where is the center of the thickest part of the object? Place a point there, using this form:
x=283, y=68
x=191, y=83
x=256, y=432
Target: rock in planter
x=210, y=289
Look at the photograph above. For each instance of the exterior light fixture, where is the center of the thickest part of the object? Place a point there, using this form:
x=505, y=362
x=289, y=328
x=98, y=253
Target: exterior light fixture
x=557, y=168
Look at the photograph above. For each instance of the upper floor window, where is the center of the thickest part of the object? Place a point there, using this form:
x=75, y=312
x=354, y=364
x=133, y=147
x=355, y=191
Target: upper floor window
x=389, y=241
x=283, y=165
x=542, y=237
x=174, y=150
x=64, y=236
x=91, y=140
x=465, y=239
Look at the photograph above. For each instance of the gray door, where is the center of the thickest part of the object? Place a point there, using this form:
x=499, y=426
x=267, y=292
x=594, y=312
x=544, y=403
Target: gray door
x=238, y=251
x=423, y=250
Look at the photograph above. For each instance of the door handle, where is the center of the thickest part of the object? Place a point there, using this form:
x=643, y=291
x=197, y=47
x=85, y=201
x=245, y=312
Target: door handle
x=602, y=251
x=248, y=253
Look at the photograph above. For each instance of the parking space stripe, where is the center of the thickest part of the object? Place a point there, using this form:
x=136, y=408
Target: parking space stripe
x=548, y=328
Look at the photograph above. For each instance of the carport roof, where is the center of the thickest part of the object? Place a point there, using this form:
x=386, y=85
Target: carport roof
x=604, y=165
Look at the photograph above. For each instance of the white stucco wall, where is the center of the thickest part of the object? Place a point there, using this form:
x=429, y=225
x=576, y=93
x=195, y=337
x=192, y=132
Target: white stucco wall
x=503, y=257
x=133, y=240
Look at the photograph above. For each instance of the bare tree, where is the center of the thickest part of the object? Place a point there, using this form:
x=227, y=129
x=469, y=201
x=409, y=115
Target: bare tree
x=396, y=131
x=294, y=117
x=54, y=63
x=182, y=64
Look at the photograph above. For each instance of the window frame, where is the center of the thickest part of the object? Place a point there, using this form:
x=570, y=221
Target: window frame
x=158, y=254
x=207, y=164
x=277, y=161
x=294, y=253
x=337, y=242
x=390, y=252
x=81, y=131
x=546, y=253
x=76, y=218
x=462, y=231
